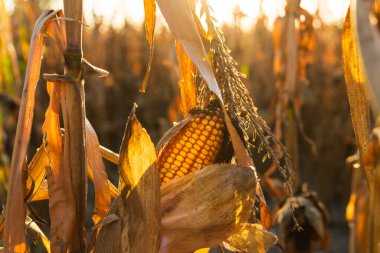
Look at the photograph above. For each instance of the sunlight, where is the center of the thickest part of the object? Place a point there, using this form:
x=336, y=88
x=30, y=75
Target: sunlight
x=115, y=12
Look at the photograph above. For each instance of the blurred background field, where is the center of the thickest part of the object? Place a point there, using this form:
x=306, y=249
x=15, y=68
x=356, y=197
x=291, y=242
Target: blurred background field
x=122, y=49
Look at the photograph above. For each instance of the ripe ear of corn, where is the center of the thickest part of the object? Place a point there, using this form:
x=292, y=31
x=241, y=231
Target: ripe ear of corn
x=193, y=143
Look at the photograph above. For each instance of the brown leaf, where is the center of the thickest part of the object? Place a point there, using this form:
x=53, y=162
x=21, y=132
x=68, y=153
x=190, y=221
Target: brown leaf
x=203, y=209
x=74, y=115
x=61, y=197
x=138, y=204
x=357, y=93
x=252, y=238
x=99, y=174
x=150, y=23
x=14, y=237
x=187, y=85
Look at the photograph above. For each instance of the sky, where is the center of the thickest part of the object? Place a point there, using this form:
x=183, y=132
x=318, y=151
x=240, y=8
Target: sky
x=115, y=11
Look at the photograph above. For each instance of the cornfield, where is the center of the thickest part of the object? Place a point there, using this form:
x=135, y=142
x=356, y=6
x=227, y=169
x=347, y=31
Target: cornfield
x=227, y=139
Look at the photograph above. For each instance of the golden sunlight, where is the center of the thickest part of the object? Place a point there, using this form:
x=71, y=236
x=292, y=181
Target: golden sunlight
x=115, y=12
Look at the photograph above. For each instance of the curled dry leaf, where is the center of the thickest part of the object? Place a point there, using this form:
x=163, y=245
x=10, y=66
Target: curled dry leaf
x=357, y=92
x=150, y=23
x=98, y=172
x=187, y=85
x=252, y=238
x=14, y=237
x=138, y=204
x=61, y=197
x=203, y=209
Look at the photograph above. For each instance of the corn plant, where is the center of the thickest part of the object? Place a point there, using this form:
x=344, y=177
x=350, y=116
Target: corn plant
x=175, y=197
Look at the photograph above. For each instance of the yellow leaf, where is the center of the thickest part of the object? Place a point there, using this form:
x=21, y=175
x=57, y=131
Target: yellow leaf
x=61, y=196
x=204, y=250
x=138, y=204
x=187, y=85
x=150, y=23
x=356, y=91
x=179, y=16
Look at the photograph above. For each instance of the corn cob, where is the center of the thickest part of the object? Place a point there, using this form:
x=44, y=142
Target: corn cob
x=193, y=143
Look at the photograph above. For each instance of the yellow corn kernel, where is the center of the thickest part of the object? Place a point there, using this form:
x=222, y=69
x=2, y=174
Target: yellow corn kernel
x=195, y=145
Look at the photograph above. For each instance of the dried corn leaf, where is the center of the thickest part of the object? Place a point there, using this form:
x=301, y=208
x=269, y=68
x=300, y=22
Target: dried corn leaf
x=265, y=215
x=187, y=85
x=367, y=38
x=150, y=23
x=61, y=197
x=36, y=171
x=203, y=209
x=178, y=14
x=41, y=194
x=357, y=93
x=14, y=237
x=99, y=174
x=252, y=238
x=138, y=204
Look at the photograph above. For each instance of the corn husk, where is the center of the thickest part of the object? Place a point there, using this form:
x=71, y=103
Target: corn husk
x=203, y=209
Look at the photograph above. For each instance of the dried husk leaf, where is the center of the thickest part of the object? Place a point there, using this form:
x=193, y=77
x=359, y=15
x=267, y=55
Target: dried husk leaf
x=14, y=237
x=357, y=92
x=187, y=85
x=203, y=209
x=61, y=197
x=98, y=172
x=138, y=204
x=252, y=238
x=150, y=23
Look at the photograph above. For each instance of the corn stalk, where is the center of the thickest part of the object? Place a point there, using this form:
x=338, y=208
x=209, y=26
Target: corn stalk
x=74, y=120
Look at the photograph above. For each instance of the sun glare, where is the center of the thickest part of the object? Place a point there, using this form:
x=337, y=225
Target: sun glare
x=115, y=12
